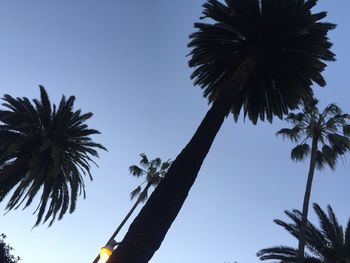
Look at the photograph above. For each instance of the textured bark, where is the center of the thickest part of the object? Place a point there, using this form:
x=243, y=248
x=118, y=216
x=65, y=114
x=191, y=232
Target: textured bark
x=301, y=245
x=149, y=228
x=139, y=199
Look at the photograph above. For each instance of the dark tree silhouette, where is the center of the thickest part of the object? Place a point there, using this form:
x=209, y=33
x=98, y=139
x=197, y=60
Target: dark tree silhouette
x=327, y=244
x=154, y=171
x=44, y=147
x=257, y=56
x=5, y=252
x=323, y=135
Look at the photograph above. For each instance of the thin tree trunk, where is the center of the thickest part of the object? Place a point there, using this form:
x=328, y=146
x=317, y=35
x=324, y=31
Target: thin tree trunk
x=302, y=234
x=139, y=199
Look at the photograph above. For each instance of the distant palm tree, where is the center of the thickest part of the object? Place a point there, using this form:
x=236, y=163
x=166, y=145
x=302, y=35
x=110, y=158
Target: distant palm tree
x=154, y=171
x=327, y=244
x=259, y=57
x=42, y=146
x=331, y=130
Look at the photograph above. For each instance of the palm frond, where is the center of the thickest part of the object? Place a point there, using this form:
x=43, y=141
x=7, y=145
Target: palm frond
x=165, y=166
x=296, y=119
x=293, y=134
x=144, y=160
x=135, y=192
x=300, y=152
x=143, y=196
x=332, y=109
x=326, y=244
x=339, y=143
x=136, y=171
x=320, y=161
x=288, y=254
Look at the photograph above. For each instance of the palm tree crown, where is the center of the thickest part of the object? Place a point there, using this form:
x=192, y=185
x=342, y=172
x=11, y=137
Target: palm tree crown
x=153, y=170
x=48, y=147
x=330, y=128
x=327, y=244
x=280, y=44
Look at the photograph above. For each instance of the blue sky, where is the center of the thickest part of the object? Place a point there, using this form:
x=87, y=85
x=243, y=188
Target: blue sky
x=125, y=61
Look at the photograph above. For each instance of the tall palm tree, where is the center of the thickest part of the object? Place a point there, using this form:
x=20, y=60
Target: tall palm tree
x=259, y=56
x=44, y=147
x=153, y=171
x=327, y=244
x=325, y=137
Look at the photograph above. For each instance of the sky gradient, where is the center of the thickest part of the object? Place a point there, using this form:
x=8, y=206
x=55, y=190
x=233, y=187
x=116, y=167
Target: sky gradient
x=126, y=62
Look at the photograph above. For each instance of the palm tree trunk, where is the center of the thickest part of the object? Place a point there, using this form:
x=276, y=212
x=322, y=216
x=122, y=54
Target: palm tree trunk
x=302, y=234
x=149, y=228
x=147, y=231
x=139, y=199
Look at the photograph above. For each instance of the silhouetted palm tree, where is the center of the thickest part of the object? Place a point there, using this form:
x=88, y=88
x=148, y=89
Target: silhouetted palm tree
x=327, y=244
x=259, y=56
x=44, y=147
x=154, y=171
x=330, y=130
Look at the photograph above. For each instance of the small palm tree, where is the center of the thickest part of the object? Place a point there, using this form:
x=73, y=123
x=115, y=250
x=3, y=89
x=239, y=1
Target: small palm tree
x=327, y=244
x=153, y=171
x=325, y=136
x=259, y=57
x=44, y=147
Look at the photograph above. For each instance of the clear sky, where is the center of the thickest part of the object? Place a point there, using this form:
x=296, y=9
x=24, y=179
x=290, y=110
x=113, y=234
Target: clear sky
x=125, y=61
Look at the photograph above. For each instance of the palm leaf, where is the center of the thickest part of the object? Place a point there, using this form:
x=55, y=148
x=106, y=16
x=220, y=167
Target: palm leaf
x=300, y=152
x=293, y=134
x=135, y=192
x=144, y=160
x=339, y=143
x=136, y=171
x=326, y=244
x=330, y=156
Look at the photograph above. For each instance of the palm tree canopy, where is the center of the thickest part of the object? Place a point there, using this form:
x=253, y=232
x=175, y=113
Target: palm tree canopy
x=154, y=171
x=327, y=244
x=283, y=41
x=331, y=128
x=44, y=147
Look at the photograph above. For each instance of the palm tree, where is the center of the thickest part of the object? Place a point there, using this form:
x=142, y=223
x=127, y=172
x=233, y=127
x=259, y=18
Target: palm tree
x=311, y=128
x=48, y=147
x=259, y=56
x=154, y=171
x=327, y=244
